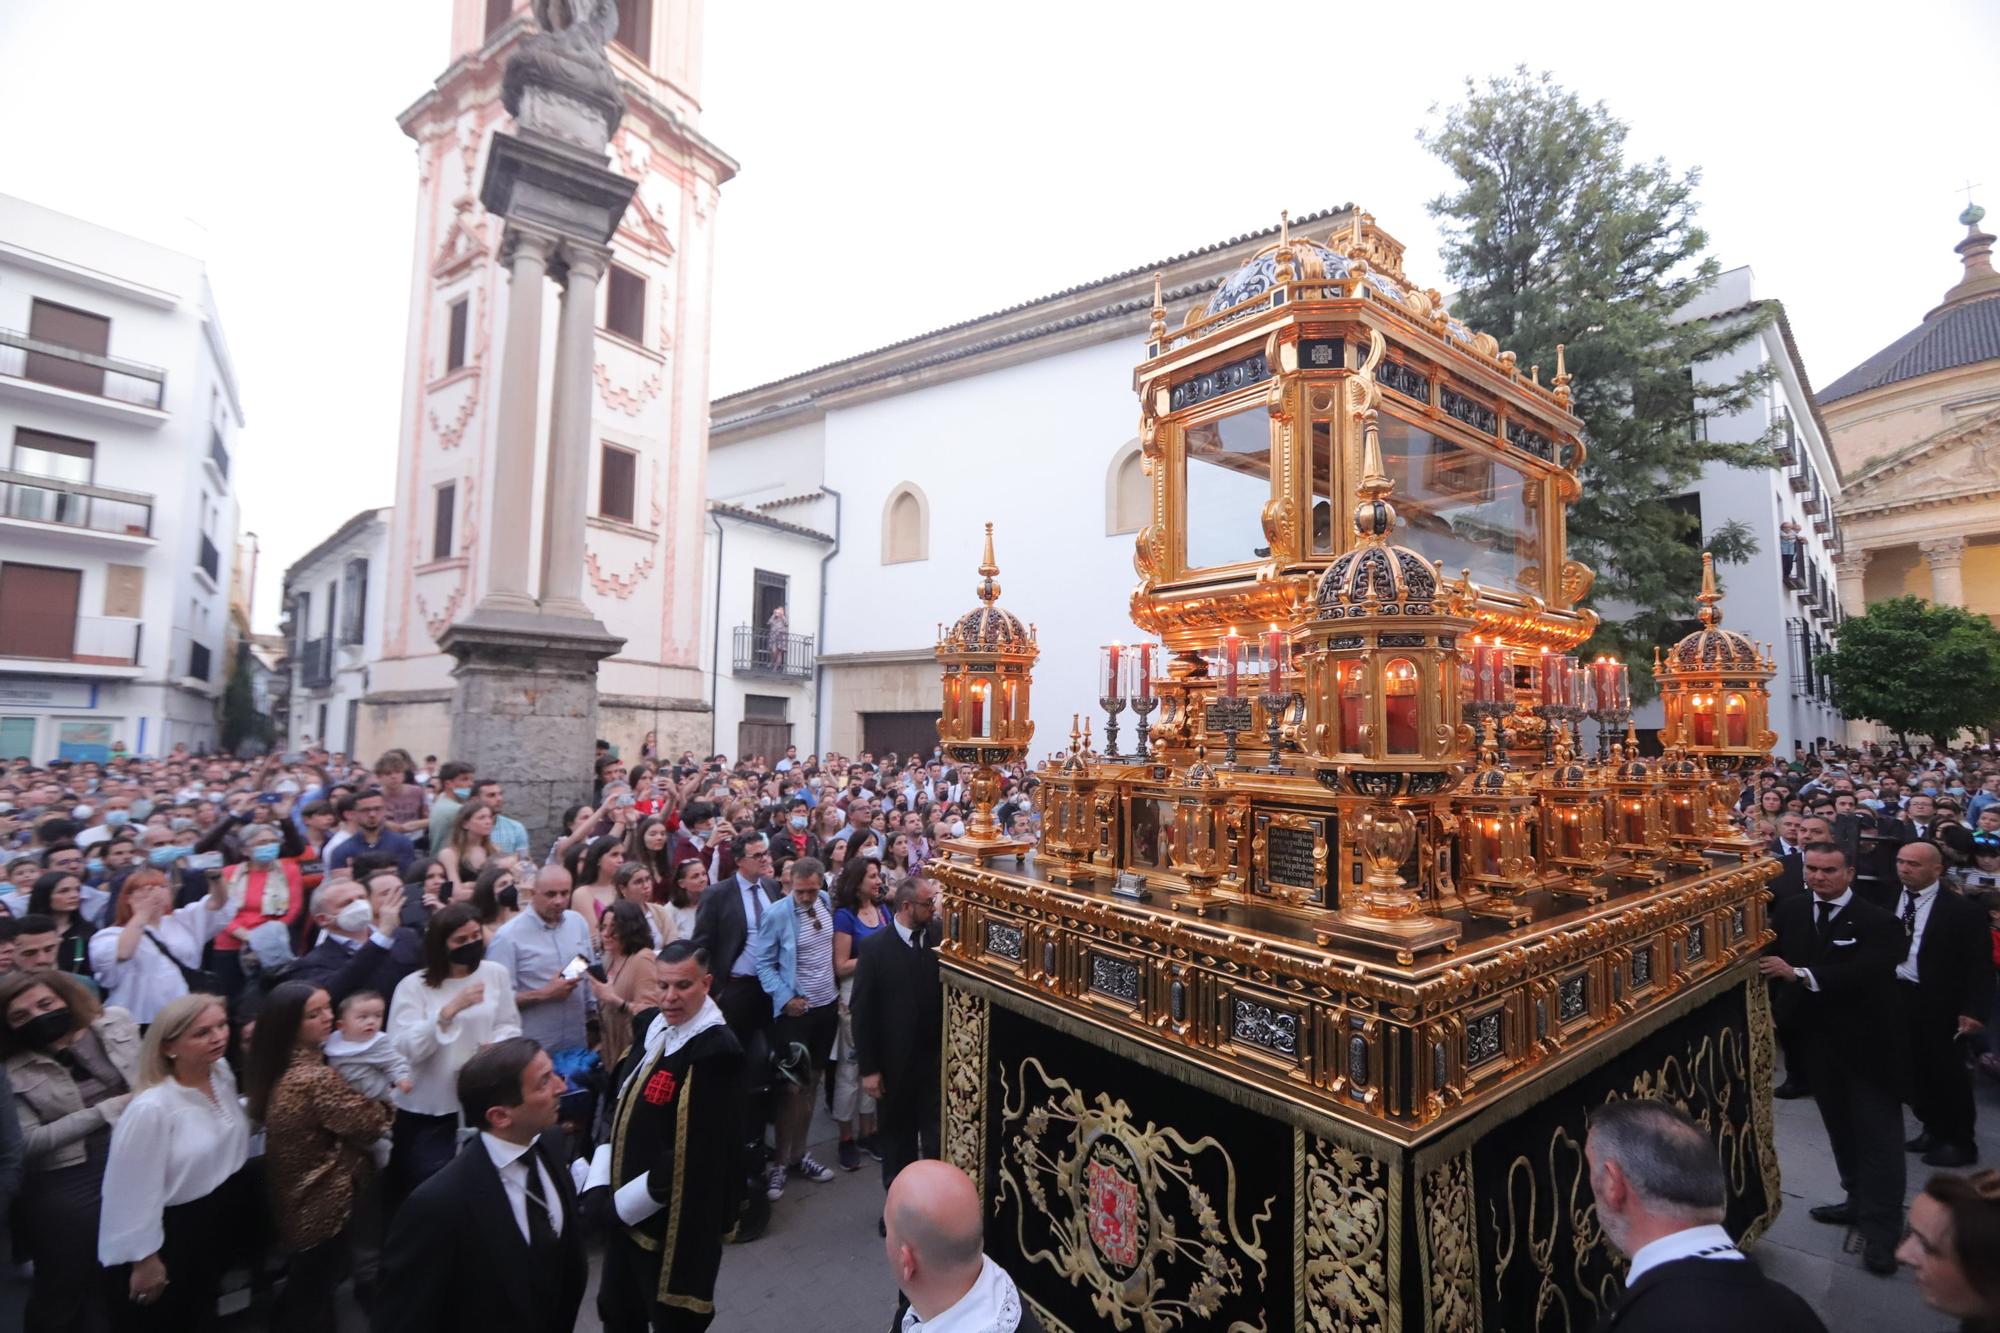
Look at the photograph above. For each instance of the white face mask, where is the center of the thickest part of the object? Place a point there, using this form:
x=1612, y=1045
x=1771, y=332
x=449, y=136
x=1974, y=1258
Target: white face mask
x=355, y=916
x=873, y=851
x=957, y=828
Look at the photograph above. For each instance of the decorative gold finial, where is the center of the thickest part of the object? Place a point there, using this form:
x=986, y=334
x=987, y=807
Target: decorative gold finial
x=1158, y=330
x=1561, y=382
x=989, y=591
x=1354, y=238
x=1710, y=599
x=1285, y=227
x=1535, y=375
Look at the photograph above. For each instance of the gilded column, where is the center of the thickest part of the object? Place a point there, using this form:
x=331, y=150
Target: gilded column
x=526, y=254
x=1851, y=572
x=1946, y=557
x=569, y=434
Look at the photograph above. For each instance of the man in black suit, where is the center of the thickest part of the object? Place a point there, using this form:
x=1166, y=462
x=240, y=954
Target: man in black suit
x=492, y=1243
x=363, y=943
x=667, y=1184
x=898, y=1013
x=728, y=916
x=1661, y=1197
x=1789, y=884
x=1837, y=954
x=1946, y=978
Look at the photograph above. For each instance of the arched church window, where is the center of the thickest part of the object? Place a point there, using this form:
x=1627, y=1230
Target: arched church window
x=906, y=526
x=1129, y=495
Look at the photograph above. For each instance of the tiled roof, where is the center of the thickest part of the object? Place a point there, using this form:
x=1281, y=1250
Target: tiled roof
x=789, y=500
x=1959, y=336
x=765, y=520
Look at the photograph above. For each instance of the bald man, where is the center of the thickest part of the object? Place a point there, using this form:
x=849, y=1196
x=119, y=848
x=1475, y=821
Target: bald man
x=1946, y=980
x=535, y=948
x=931, y=1224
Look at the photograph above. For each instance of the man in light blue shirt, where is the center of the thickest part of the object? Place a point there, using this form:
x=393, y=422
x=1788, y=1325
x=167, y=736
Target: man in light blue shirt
x=509, y=835
x=535, y=947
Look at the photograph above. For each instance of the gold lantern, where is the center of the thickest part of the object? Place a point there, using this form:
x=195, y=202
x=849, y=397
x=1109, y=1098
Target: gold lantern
x=1069, y=808
x=987, y=659
x=1688, y=808
x=1496, y=863
x=1637, y=831
x=1573, y=842
x=1715, y=690
x=1198, y=846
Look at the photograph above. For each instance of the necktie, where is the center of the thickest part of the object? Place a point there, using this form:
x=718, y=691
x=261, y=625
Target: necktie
x=1909, y=914
x=541, y=1235
x=917, y=939
x=1825, y=914
x=757, y=902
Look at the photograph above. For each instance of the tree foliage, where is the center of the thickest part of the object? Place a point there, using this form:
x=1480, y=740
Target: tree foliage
x=1914, y=667
x=1551, y=236
x=241, y=722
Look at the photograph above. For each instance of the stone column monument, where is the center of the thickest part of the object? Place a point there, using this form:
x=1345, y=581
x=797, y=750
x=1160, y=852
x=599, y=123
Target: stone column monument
x=524, y=695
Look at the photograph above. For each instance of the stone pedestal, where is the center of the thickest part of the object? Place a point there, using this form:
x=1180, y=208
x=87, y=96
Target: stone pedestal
x=524, y=708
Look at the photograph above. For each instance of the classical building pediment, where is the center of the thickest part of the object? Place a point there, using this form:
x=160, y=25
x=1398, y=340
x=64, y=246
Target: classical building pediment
x=1960, y=462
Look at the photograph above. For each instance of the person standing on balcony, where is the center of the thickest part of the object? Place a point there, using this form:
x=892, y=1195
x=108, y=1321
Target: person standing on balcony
x=776, y=632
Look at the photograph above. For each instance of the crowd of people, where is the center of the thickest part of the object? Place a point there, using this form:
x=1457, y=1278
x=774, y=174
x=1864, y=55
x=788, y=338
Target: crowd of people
x=252, y=1014
x=255, y=1015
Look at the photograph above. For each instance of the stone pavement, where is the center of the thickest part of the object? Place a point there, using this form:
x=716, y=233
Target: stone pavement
x=821, y=1266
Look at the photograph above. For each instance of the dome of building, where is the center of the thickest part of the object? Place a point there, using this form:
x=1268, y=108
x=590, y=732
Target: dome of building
x=1963, y=330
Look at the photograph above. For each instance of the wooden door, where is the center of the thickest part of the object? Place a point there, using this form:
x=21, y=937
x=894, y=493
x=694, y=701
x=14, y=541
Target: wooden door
x=38, y=611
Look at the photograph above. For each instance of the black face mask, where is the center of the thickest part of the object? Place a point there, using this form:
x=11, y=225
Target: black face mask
x=45, y=1029
x=509, y=898
x=468, y=954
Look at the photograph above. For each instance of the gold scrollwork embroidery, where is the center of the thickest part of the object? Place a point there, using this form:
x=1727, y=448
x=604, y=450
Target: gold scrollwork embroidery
x=966, y=1024
x=1451, y=1277
x=1102, y=1188
x=1344, y=1237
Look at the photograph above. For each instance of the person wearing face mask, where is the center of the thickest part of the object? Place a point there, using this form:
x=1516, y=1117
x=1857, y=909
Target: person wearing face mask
x=795, y=830
x=146, y=956
x=455, y=783
x=363, y=943
x=495, y=899
x=261, y=888
x=73, y=1066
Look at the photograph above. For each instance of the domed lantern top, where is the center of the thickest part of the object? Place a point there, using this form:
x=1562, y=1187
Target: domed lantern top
x=1714, y=687
x=986, y=656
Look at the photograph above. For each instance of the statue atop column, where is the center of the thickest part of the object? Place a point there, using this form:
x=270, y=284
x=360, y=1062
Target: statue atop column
x=559, y=82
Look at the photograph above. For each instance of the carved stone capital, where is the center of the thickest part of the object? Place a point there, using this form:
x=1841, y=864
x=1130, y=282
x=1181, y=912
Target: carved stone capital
x=1943, y=552
x=518, y=243
x=584, y=262
x=1852, y=564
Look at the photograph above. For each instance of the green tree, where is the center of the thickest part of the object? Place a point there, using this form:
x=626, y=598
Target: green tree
x=1914, y=667
x=1551, y=236
x=241, y=721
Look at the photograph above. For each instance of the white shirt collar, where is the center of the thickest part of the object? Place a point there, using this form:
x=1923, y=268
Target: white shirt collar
x=503, y=1152
x=906, y=932
x=991, y=1305
x=663, y=1038
x=1703, y=1242
x=1838, y=903
x=1924, y=895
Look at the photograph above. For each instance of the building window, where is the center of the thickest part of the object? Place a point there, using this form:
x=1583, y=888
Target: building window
x=38, y=606
x=78, y=330
x=625, y=304
x=617, y=483
x=442, y=513
x=302, y=621
x=905, y=526
x=354, y=588
x=635, y=28
x=1689, y=506
x=454, y=343
x=1130, y=494
x=497, y=13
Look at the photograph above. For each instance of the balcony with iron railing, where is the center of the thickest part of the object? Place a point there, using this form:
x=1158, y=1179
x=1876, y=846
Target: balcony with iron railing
x=209, y=558
x=30, y=497
x=1787, y=447
x=316, y=664
x=194, y=658
x=121, y=385
x=58, y=634
x=759, y=652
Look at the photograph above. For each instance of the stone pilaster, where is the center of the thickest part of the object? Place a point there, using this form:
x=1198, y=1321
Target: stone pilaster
x=570, y=436
x=526, y=253
x=1946, y=557
x=1851, y=573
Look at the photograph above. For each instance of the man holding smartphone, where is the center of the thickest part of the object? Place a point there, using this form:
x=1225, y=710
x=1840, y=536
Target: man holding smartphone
x=538, y=948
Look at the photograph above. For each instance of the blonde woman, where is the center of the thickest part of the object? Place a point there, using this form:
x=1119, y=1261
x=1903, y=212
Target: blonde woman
x=171, y=1178
x=470, y=848
x=635, y=884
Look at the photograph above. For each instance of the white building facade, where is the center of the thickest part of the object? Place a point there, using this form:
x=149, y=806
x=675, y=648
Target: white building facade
x=644, y=538
x=1787, y=594
x=333, y=613
x=119, y=411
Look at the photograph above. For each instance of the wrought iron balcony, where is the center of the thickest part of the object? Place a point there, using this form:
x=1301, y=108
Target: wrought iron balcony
x=53, y=364
x=34, y=498
x=758, y=652
x=316, y=664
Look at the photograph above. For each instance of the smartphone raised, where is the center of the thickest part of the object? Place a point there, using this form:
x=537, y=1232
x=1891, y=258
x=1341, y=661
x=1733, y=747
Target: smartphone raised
x=575, y=968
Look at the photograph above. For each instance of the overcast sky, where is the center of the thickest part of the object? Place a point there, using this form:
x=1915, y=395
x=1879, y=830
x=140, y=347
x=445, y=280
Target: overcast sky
x=910, y=165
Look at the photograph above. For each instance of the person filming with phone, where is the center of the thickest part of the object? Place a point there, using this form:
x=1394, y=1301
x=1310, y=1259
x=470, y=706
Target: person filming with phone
x=540, y=948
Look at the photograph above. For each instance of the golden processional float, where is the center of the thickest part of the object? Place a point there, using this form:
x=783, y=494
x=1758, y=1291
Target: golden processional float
x=1293, y=1016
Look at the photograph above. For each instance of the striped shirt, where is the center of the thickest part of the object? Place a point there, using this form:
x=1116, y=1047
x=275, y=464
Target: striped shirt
x=813, y=980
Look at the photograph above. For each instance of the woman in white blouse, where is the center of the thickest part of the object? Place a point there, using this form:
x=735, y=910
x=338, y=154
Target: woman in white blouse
x=170, y=1179
x=438, y=1019
x=139, y=959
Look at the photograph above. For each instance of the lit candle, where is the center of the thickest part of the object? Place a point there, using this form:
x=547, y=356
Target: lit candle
x=1145, y=672
x=1548, y=678
x=1274, y=660
x=979, y=689
x=1108, y=679
x=1232, y=654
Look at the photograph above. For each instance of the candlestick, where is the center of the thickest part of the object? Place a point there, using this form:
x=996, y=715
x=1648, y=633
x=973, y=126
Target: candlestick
x=1232, y=653
x=1145, y=673
x=1274, y=660
x=1144, y=701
